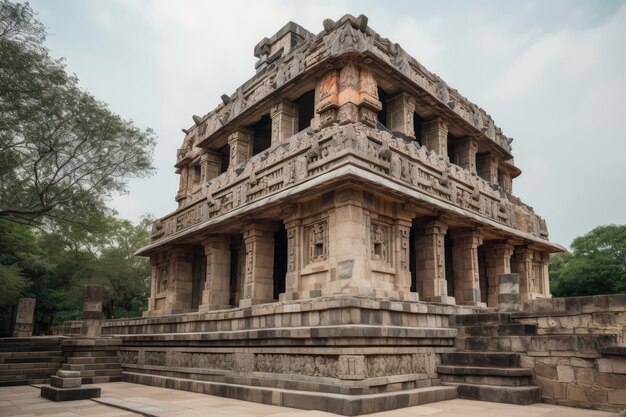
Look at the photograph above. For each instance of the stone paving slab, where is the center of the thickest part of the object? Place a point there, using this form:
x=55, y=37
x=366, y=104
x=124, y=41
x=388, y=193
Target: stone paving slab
x=24, y=401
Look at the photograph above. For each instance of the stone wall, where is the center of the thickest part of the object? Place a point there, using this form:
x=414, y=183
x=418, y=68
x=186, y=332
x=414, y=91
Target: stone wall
x=578, y=355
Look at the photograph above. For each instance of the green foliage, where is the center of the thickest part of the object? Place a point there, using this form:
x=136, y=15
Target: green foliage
x=62, y=152
x=596, y=265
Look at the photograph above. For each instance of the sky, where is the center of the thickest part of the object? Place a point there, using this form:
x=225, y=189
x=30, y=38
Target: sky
x=551, y=73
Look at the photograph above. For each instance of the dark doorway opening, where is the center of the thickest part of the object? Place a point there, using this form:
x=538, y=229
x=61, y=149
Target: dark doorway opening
x=482, y=274
x=236, y=271
x=417, y=127
x=306, y=109
x=225, y=152
x=280, y=260
x=262, y=134
x=447, y=243
x=198, y=276
x=412, y=260
x=382, y=114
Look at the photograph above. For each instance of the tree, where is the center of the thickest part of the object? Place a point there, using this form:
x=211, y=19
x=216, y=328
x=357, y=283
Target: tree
x=596, y=265
x=62, y=152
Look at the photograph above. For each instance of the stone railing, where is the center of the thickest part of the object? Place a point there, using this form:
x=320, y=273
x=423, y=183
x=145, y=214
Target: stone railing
x=312, y=153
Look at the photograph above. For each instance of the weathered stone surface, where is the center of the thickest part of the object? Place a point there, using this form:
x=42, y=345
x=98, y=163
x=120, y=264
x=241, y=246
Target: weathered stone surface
x=69, y=394
x=24, y=318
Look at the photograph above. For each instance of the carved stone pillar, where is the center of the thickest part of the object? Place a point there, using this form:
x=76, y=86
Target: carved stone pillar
x=327, y=103
x=183, y=184
x=487, y=167
x=369, y=103
x=435, y=135
x=284, y=121
x=24, y=318
x=211, y=165
x=154, y=266
x=180, y=281
x=400, y=110
x=294, y=254
x=240, y=142
x=92, y=311
x=465, y=154
x=466, y=274
x=258, y=286
x=498, y=261
x=348, y=94
x=401, y=229
x=216, y=293
x=522, y=264
x=348, y=243
x=545, y=274
x=430, y=263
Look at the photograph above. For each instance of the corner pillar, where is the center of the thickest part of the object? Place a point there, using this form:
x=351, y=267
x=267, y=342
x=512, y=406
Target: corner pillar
x=284, y=121
x=465, y=243
x=211, y=165
x=240, y=143
x=435, y=135
x=465, y=154
x=258, y=286
x=216, y=293
x=181, y=277
x=487, y=167
x=401, y=231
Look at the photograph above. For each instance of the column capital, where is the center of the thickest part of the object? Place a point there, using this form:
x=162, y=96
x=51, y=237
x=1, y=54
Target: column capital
x=435, y=227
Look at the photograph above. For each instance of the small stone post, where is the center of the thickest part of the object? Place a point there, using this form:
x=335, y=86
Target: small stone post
x=92, y=310
x=24, y=319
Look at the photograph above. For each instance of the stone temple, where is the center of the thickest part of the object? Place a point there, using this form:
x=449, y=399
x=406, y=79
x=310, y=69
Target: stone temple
x=347, y=239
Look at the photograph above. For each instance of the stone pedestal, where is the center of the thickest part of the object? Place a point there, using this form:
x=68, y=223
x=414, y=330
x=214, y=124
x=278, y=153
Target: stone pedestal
x=66, y=386
x=92, y=310
x=24, y=318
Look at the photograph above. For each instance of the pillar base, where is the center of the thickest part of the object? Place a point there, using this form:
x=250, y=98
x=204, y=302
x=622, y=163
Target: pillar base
x=441, y=299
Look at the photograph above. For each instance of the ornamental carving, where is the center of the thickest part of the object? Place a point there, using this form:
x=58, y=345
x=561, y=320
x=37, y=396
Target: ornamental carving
x=379, y=241
x=317, y=240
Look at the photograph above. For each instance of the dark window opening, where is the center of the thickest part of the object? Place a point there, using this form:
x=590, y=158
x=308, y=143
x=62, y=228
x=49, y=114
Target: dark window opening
x=417, y=126
x=225, y=152
x=262, y=134
x=382, y=115
x=452, y=143
x=482, y=274
x=306, y=109
x=447, y=243
x=280, y=261
x=412, y=260
x=234, y=274
x=197, y=174
x=198, y=276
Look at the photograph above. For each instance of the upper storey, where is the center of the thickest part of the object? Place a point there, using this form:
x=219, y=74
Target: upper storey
x=290, y=68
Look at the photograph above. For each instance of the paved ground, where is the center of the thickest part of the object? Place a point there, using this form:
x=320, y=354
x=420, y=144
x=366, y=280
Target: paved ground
x=25, y=401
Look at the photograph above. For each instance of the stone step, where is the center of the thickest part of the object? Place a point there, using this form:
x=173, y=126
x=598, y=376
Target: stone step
x=484, y=344
x=499, y=330
x=102, y=379
x=483, y=375
x=91, y=367
x=28, y=347
x=93, y=360
x=479, y=319
x=29, y=359
x=100, y=372
x=347, y=405
x=28, y=372
x=489, y=359
x=30, y=365
x=510, y=395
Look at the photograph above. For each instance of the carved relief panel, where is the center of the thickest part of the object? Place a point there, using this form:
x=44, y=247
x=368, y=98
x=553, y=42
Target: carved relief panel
x=317, y=241
x=380, y=241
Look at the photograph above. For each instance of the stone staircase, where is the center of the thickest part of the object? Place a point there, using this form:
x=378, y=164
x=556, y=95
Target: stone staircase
x=29, y=360
x=97, y=359
x=483, y=368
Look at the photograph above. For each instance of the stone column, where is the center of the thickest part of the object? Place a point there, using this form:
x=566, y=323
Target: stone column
x=284, y=121
x=327, y=101
x=430, y=262
x=435, y=135
x=240, y=143
x=465, y=154
x=348, y=250
x=401, y=230
x=400, y=110
x=154, y=267
x=545, y=274
x=24, y=318
x=92, y=311
x=182, y=184
x=348, y=94
x=180, y=283
x=294, y=254
x=508, y=292
x=211, y=163
x=258, y=286
x=466, y=275
x=522, y=264
x=487, y=166
x=498, y=261
x=216, y=293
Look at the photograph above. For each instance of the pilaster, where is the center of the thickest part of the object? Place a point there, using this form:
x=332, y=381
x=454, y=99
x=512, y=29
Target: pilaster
x=466, y=274
x=435, y=135
x=240, y=143
x=522, y=264
x=211, y=165
x=498, y=261
x=487, y=166
x=430, y=262
x=400, y=110
x=401, y=231
x=216, y=292
x=465, y=154
x=284, y=121
x=180, y=280
x=258, y=286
